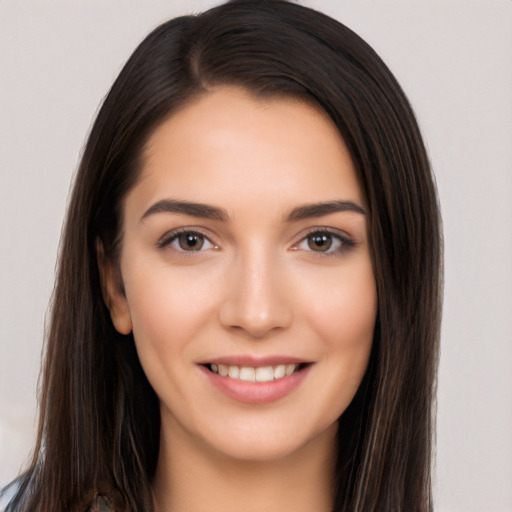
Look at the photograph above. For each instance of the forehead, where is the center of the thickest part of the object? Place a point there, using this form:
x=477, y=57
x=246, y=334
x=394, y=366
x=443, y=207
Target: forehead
x=229, y=145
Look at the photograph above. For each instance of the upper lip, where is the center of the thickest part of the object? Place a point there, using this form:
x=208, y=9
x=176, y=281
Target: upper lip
x=255, y=361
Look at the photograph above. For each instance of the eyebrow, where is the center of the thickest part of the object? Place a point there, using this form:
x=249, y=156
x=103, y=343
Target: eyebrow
x=206, y=211
x=199, y=210
x=319, y=209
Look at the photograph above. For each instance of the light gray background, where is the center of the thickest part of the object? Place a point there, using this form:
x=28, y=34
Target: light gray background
x=454, y=60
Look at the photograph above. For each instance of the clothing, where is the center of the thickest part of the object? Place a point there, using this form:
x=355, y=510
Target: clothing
x=7, y=494
x=101, y=504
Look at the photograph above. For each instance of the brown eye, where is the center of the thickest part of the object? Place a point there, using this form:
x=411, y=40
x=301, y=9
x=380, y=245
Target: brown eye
x=319, y=242
x=325, y=242
x=186, y=241
x=190, y=241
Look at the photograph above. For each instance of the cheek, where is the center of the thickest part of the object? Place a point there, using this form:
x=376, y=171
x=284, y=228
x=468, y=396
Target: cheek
x=344, y=321
x=343, y=315
x=168, y=308
x=344, y=308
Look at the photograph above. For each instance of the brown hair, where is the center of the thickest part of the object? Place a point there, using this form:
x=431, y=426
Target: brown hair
x=99, y=417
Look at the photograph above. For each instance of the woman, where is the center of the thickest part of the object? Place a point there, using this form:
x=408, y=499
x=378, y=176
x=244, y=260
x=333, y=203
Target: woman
x=247, y=302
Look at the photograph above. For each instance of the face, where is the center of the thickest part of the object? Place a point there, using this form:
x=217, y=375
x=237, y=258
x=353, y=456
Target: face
x=247, y=276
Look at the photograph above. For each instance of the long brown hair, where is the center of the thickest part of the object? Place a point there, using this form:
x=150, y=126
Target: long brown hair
x=99, y=417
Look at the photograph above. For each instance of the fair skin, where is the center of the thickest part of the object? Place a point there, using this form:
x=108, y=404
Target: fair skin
x=257, y=284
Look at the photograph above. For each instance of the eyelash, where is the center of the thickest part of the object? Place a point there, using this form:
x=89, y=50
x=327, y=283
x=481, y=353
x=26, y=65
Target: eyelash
x=344, y=243
x=173, y=236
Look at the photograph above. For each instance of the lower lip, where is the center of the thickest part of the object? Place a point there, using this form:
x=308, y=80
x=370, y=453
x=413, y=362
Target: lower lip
x=256, y=392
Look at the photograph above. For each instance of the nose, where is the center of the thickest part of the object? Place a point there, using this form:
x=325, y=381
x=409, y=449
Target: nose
x=256, y=299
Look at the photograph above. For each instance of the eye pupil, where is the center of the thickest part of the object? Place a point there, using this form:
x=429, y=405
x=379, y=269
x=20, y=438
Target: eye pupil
x=191, y=241
x=320, y=242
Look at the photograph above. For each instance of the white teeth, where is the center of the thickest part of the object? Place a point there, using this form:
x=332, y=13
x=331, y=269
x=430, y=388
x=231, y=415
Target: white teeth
x=256, y=374
x=264, y=374
x=279, y=371
x=247, y=374
x=290, y=368
x=234, y=372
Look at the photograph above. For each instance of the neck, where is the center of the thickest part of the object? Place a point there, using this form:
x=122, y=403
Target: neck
x=192, y=478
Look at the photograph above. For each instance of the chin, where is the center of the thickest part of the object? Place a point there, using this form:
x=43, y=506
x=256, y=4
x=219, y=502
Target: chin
x=261, y=445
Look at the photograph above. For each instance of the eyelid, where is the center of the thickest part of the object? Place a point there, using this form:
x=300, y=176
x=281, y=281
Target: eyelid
x=346, y=241
x=166, y=239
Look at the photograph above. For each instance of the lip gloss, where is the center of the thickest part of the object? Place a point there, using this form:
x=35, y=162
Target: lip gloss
x=256, y=392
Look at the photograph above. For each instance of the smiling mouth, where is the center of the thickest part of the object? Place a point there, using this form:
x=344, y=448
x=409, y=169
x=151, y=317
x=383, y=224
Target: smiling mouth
x=256, y=373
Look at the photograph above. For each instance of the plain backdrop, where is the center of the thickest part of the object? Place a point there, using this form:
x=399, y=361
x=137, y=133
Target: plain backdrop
x=454, y=60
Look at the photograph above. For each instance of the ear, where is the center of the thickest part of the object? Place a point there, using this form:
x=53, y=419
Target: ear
x=112, y=290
